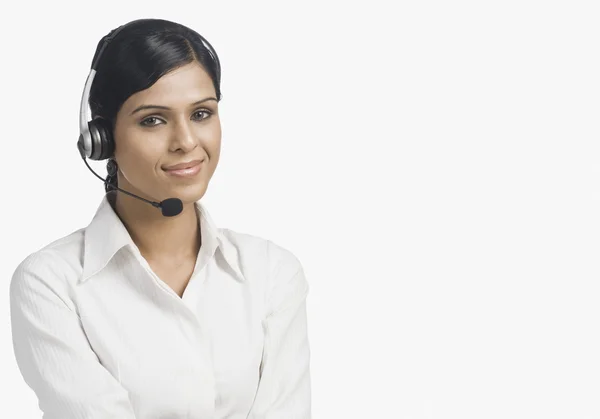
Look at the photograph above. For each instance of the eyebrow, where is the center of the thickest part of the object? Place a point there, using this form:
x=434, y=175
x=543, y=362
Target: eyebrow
x=140, y=108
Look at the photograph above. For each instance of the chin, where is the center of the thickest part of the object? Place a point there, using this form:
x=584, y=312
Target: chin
x=188, y=194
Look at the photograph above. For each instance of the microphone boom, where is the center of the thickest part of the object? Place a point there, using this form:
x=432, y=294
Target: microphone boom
x=170, y=207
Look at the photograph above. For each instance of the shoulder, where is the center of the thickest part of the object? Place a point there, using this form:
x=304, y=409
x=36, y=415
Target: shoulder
x=276, y=258
x=51, y=269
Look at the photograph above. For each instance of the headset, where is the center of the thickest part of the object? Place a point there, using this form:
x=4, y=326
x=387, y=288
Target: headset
x=96, y=141
x=95, y=137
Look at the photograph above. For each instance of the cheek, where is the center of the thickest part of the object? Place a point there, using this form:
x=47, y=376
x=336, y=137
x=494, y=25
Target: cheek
x=138, y=169
x=137, y=158
x=212, y=142
x=214, y=153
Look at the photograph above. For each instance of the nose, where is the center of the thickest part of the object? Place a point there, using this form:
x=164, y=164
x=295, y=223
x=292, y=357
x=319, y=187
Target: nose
x=183, y=137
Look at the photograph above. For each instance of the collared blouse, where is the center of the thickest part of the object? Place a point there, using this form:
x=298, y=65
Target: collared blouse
x=97, y=335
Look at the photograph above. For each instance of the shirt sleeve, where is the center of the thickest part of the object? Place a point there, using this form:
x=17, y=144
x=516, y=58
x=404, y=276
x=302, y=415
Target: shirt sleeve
x=52, y=350
x=284, y=389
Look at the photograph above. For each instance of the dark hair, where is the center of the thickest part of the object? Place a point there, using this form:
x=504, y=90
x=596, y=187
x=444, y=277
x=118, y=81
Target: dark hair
x=141, y=53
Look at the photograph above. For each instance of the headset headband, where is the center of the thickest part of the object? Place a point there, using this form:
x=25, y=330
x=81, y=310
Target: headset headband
x=84, y=115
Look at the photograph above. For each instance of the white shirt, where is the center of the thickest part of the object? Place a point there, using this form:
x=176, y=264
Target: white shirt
x=97, y=335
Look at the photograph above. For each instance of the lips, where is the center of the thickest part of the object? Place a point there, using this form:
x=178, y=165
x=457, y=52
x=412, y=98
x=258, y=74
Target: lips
x=184, y=165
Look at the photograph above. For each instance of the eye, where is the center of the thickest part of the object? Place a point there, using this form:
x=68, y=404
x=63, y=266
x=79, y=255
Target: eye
x=152, y=121
x=203, y=111
x=149, y=122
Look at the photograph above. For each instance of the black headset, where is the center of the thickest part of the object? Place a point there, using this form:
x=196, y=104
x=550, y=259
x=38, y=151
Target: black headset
x=95, y=137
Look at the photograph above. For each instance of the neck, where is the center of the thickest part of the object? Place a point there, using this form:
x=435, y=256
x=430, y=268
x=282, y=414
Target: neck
x=159, y=238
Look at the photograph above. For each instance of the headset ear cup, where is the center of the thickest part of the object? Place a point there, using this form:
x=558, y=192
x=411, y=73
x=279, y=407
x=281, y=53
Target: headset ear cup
x=102, y=141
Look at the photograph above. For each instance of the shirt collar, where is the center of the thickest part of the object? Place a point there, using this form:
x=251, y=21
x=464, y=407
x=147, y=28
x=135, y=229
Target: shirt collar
x=106, y=235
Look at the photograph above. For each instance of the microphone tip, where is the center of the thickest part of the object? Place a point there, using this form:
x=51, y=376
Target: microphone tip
x=171, y=207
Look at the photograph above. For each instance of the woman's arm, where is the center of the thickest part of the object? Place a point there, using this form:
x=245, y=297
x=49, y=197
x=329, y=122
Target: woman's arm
x=52, y=350
x=284, y=390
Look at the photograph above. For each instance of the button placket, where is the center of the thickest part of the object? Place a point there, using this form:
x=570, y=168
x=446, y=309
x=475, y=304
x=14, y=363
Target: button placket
x=198, y=347
x=198, y=340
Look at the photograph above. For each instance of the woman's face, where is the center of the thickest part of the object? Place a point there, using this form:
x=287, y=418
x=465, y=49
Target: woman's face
x=174, y=121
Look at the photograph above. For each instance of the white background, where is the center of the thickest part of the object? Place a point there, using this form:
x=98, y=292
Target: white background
x=434, y=165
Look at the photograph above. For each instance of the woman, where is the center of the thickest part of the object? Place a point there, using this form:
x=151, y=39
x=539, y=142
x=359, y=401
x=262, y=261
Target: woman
x=144, y=314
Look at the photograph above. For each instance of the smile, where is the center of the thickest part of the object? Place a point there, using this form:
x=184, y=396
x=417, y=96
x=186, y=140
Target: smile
x=187, y=172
